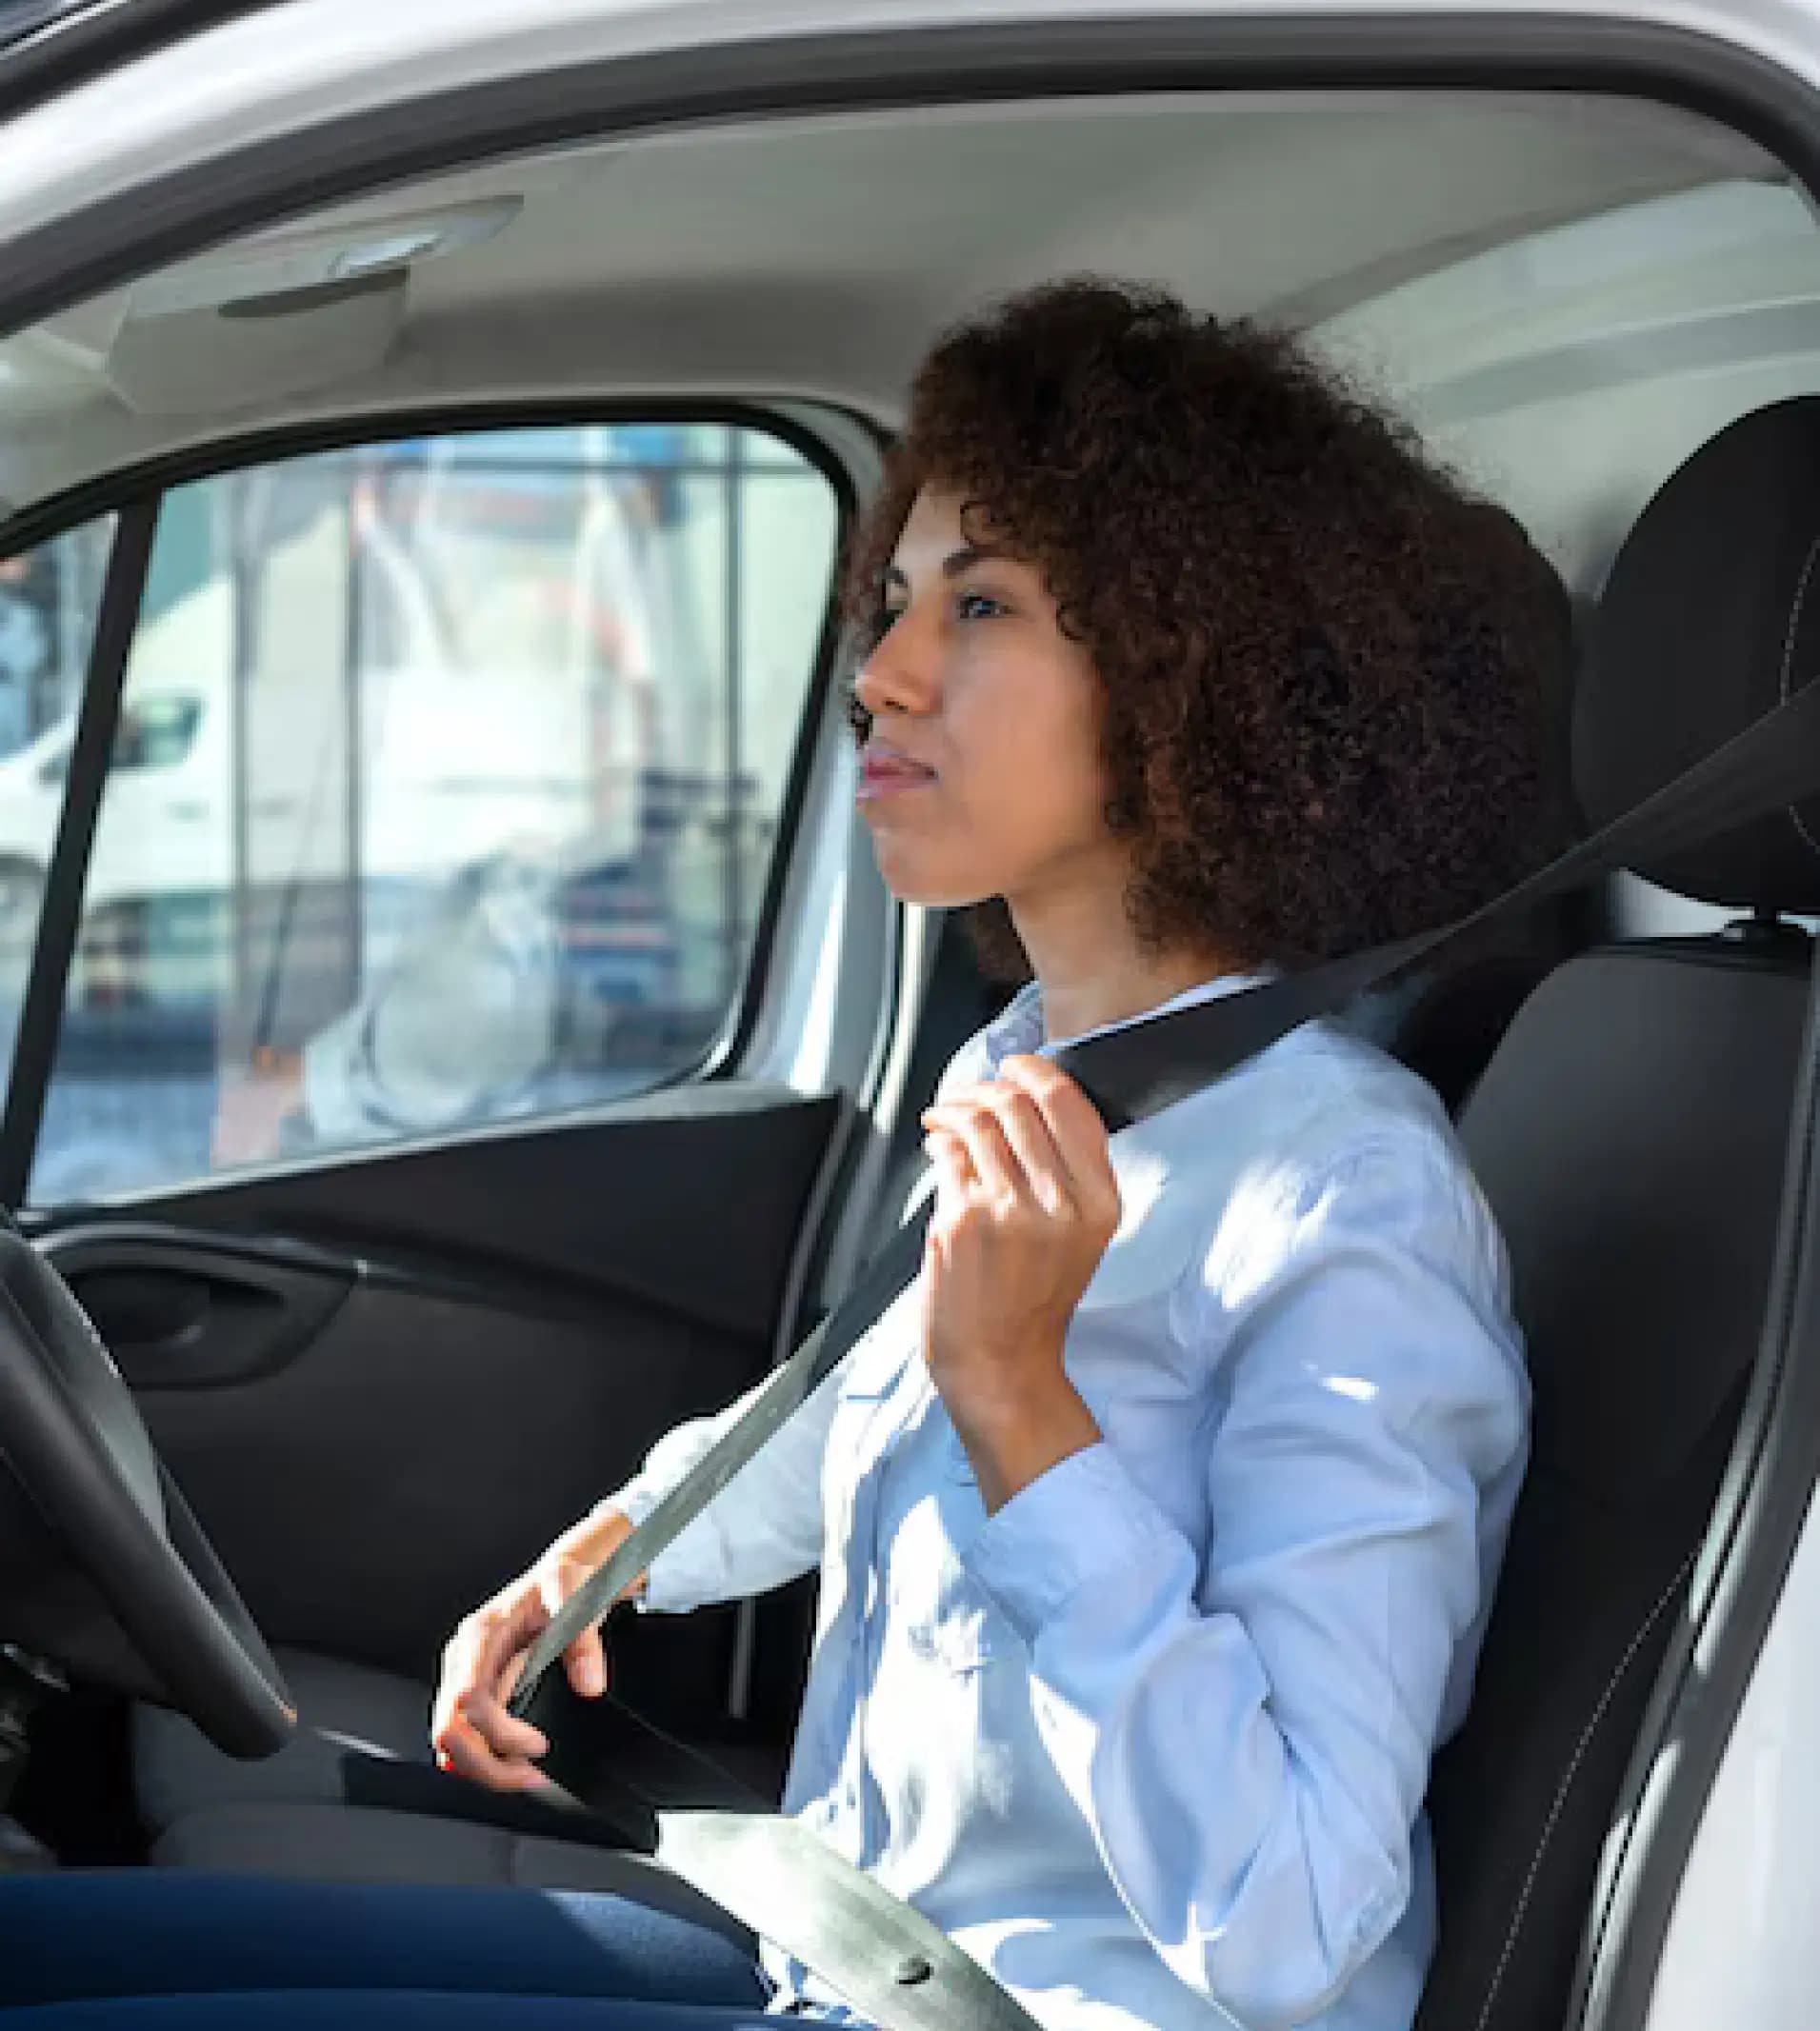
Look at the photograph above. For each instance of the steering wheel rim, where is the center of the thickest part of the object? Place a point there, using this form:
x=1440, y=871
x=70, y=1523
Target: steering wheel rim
x=74, y=1439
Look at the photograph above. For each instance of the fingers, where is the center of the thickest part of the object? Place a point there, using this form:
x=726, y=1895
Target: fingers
x=465, y=1750
x=457, y=1675
x=947, y=1152
x=472, y=1726
x=1032, y=1136
x=1076, y=1132
x=987, y=1159
x=508, y=1739
x=585, y=1662
x=471, y=1729
x=1030, y=1133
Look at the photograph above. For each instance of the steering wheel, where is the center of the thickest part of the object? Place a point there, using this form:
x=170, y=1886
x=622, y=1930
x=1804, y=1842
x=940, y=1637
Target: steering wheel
x=74, y=1437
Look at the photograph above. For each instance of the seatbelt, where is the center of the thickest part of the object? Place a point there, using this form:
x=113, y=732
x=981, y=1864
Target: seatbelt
x=779, y=1879
x=1130, y=1074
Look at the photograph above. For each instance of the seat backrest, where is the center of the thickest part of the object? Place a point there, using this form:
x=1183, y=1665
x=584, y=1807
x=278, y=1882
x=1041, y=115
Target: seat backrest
x=1630, y=1134
x=1446, y=1026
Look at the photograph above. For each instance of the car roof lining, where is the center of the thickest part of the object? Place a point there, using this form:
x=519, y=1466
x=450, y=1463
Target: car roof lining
x=734, y=258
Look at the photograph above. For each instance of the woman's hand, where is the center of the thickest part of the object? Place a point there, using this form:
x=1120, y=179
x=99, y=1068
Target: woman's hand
x=1026, y=1203
x=470, y=1727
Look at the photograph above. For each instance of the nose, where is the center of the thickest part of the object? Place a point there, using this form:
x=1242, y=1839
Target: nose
x=899, y=675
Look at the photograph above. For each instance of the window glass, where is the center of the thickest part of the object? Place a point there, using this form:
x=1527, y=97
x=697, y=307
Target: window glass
x=50, y=597
x=155, y=733
x=445, y=788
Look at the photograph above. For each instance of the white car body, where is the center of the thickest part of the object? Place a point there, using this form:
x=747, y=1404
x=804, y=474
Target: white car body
x=465, y=777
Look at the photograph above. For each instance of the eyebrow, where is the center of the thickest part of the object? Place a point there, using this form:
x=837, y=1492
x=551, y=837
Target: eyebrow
x=952, y=564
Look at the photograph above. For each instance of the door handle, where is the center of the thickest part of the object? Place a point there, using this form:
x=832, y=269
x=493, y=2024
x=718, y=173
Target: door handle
x=181, y=1313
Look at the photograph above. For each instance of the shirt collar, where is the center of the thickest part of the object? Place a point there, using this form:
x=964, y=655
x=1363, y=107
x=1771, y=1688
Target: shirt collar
x=1017, y=1031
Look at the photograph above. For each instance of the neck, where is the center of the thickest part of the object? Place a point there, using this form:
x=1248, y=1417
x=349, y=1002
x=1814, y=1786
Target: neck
x=1090, y=978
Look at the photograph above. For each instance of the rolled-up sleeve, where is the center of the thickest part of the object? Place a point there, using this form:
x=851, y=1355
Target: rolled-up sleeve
x=1247, y=1725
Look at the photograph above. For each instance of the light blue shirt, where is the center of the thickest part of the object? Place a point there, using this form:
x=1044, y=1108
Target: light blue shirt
x=1151, y=1742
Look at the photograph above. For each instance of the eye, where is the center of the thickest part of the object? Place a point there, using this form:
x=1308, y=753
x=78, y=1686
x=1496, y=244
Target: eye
x=979, y=607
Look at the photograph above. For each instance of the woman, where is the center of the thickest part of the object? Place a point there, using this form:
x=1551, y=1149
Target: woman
x=1157, y=1525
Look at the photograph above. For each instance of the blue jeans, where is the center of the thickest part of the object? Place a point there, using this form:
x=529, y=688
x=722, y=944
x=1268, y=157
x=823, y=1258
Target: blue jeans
x=147, y=1951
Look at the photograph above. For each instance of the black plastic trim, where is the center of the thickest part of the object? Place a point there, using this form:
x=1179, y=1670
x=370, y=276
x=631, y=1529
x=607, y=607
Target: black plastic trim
x=78, y=1247
x=153, y=478
x=41, y=1017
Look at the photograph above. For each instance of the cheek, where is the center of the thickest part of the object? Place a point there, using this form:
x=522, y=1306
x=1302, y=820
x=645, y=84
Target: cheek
x=1036, y=714
x=1055, y=777
x=1051, y=799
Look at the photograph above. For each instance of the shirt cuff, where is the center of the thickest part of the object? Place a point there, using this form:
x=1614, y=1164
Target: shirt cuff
x=667, y=1587
x=1084, y=1520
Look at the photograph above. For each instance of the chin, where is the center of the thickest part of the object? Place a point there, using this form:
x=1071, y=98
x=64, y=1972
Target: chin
x=986, y=916
x=911, y=879
x=934, y=894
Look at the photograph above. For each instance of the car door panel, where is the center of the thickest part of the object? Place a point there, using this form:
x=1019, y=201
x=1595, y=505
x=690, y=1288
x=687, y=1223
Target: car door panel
x=430, y=1361
x=690, y=1197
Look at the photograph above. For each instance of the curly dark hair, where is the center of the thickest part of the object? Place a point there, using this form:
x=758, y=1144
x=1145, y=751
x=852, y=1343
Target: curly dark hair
x=1328, y=671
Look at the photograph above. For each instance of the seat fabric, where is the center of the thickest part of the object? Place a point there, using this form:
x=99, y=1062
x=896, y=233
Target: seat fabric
x=1630, y=1134
x=178, y=1772
x=333, y=1842
x=354, y=1796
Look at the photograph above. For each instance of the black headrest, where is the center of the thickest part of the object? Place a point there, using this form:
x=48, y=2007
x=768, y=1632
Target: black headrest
x=1711, y=615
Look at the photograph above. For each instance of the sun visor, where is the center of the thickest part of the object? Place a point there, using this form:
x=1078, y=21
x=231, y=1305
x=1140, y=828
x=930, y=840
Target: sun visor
x=285, y=312
x=190, y=360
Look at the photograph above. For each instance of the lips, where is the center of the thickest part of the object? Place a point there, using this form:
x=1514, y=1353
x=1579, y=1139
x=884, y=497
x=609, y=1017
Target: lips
x=885, y=767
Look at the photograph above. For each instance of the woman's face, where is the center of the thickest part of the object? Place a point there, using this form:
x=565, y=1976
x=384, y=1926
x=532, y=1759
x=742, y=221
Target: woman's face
x=981, y=776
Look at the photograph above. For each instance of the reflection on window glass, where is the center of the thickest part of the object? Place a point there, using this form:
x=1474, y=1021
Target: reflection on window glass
x=446, y=784
x=48, y=599
x=156, y=732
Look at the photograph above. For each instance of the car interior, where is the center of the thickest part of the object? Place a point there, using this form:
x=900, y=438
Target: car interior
x=1603, y=312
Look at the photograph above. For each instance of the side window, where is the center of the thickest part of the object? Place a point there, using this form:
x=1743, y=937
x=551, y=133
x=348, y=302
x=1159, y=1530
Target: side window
x=445, y=791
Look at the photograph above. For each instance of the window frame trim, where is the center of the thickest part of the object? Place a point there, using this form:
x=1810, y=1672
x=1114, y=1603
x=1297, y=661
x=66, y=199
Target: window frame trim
x=140, y=490
x=54, y=945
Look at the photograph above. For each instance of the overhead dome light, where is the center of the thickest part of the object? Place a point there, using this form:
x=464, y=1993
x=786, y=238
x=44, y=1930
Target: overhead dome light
x=396, y=250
